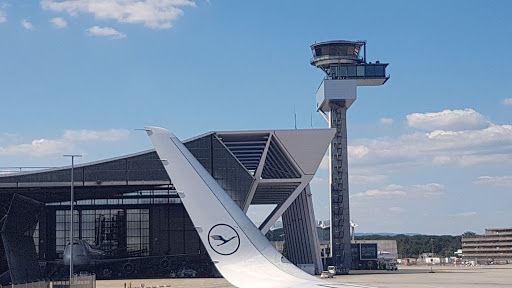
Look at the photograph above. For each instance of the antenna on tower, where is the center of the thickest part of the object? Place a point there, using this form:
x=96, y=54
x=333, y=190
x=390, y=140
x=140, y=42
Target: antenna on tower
x=295, y=116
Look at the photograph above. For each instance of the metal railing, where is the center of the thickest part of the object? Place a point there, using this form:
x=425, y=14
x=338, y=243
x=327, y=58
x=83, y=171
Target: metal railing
x=336, y=57
x=38, y=284
x=79, y=281
x=82, y=281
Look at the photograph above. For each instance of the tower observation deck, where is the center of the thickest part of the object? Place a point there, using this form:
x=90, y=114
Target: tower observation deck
x=345, y=70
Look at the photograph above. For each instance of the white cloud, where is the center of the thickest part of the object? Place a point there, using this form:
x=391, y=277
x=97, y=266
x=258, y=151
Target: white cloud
x=59, y=22
x=389, y=192
x=465, y=214
x=359, y=179
x=498, y=181
x=491, y=144
x=386, y=121
x=431, y=190
x=441, y=160
x=451, y=120
x=474, y=160
x=27, y=25
x=63, y=145
x=92, y=135
x=397, y=210
x=507, y=101
x=105, y=31
x=393, y=191
x=357, y=152
x=3, y=17
x=38, y=147
x=156, y=14
x=463, y=148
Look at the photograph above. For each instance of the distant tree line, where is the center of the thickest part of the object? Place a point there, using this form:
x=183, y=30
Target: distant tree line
x=413, y=246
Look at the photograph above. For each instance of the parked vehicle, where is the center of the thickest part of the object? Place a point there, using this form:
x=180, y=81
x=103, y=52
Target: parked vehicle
x=391, y=266
x=331, y=270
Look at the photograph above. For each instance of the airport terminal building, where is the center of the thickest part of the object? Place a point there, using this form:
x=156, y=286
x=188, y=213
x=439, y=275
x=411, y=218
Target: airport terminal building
x=128, y=208
x=493, y=247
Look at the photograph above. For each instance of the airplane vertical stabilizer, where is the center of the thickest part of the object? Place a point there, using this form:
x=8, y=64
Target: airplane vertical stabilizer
x=238, y=249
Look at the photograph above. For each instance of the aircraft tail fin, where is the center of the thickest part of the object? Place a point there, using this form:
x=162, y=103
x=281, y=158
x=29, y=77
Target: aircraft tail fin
x=237, y=247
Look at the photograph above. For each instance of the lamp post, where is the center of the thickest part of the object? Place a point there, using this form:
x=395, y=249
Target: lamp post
x=72, y=206
x=432, y=259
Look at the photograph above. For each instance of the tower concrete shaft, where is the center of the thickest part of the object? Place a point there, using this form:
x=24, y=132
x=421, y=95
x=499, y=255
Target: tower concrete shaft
x=344, y=71
x=339, y=189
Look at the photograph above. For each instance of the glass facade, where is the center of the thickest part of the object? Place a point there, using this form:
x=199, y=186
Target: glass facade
x=357, y=71
x=224, y=167
x=63, y=227
x=124, y=231
x=157, y=239
x=165, y=195
x=125, y=201
x=173, y=232
x=350, y=50
x=137, y=231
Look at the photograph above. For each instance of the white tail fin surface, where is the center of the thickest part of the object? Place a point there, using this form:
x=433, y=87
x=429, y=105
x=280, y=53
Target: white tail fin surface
x=239, y=250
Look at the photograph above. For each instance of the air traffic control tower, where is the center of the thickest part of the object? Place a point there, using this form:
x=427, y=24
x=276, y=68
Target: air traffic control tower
x=345, y=69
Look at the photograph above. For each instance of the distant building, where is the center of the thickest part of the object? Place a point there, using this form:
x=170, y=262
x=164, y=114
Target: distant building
x=429, y=258
x=387, y=249
x=493, y=247
x=407, y=261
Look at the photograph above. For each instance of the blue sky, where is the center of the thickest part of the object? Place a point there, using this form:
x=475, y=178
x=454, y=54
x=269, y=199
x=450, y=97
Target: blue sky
x=430, y=151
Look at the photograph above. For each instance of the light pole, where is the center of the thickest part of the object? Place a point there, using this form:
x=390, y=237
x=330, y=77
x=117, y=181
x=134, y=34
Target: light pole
x=72, y=206
x=432, y=259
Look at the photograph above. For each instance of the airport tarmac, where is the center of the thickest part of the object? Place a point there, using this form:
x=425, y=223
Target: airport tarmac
x=409, y=276
x=443, y=276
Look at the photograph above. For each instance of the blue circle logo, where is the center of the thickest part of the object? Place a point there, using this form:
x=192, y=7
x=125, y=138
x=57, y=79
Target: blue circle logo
x=224, y=239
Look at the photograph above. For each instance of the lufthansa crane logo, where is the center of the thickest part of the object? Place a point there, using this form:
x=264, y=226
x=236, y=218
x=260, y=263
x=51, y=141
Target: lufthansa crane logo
x=224, y=239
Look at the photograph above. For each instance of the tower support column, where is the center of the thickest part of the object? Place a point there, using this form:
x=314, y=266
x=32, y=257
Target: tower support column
x=339, y=190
